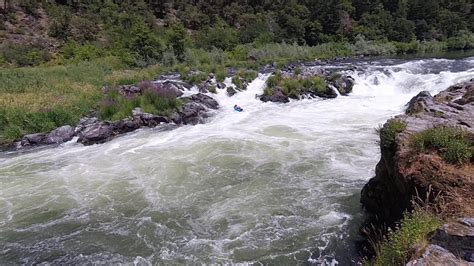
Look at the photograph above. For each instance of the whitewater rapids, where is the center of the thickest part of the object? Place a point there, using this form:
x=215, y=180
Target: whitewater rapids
x=278, y=183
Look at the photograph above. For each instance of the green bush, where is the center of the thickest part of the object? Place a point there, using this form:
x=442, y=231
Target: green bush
x=291, y=87
x=212, y=89
x=85, y=52
x=461, y=42
x=196, y=78
x=239, y=84
x=248, y=75
x=390, y=130
x=273, y=81
x=399, y=245
x=221, y=74
x=115, y=107
x=24, y=54
x=453, y=144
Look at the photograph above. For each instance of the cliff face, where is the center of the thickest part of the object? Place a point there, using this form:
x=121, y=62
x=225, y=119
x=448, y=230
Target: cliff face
x=403, y=173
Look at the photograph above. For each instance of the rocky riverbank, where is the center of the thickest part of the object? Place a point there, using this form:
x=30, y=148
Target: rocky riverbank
x=441, y=173
x=196, y=104
x=92, y=130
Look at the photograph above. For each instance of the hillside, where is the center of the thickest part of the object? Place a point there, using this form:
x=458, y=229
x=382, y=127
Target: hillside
x=148, y=32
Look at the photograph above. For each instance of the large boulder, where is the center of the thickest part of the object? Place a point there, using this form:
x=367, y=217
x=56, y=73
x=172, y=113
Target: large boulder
x=33, y=139
x=343, y=83
x=205, y=100
x=97, y=133
x=60, y=135
x=277, y=97
x=190, y=114
x=419, y=103
x=231, y=91
x=194, y=110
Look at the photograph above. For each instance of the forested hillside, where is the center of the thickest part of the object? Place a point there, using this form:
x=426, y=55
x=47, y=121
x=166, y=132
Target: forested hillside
x=149, y=31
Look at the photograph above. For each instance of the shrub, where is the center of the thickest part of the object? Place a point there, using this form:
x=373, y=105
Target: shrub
x=196, y=78
x=453, y=144
x=221, y=74
x=86, y=52
x=390, y=130
x=318, y=84
x=273, y=81
x=298, y=71
x=212, y=89
x=24, y=54
x=237, y=81
x=399, y=245
x=248, y=75
x=461, y=42
x=154, y=99
x=291, y=87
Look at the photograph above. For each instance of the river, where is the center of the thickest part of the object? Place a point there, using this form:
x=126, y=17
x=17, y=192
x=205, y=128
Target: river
x=278, y=183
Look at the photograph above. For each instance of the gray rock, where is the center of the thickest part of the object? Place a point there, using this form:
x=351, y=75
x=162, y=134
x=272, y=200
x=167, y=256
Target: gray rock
x=60, y=135
x=344, y=84
x=277, y=97
x=97, y=133
x=190, y=114
x=205, y=100
x=419, y=103
x=231, y=91
x=436, y=255
x=33, y=139
x=221, y=86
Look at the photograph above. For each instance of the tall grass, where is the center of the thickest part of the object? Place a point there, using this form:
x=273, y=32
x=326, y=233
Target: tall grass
x=454, y=144
x=400, y=245
x=39, y=99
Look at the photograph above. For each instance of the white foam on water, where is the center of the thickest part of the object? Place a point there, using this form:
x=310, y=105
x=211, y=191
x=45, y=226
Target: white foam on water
x=275, y=183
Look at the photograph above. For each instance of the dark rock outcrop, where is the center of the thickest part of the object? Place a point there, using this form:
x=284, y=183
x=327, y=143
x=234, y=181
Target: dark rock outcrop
x=277, y=97
x=403, y=174
x=60, y=135
x=231, y=91
x=343, y=83
x=194, y=111
x=57, y=136
x=96, y=133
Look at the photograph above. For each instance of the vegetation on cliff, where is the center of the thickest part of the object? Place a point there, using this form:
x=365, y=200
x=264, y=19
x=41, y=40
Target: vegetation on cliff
x=400, y=245
x=453, y=143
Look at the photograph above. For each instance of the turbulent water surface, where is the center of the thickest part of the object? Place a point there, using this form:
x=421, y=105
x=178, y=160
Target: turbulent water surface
x=276, y=183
